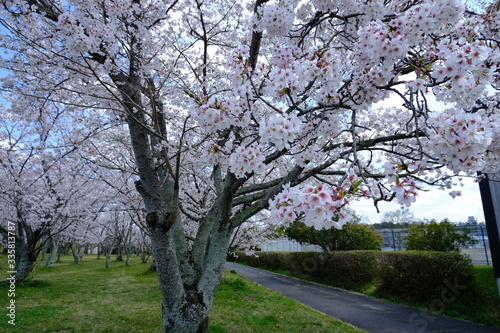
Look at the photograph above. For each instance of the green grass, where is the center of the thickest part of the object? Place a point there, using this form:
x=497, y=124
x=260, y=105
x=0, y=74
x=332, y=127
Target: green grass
x=480, y=303
x=90, y=298
x=244, y=306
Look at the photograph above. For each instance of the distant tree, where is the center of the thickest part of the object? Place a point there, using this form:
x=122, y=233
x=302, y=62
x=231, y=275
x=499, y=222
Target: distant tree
x=434, y=236
x=401, y=218
x=250, y=235
x=352, y=236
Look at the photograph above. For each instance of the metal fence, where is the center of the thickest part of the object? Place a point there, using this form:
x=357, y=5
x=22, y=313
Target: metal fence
x=395, y=240
x=479, y=252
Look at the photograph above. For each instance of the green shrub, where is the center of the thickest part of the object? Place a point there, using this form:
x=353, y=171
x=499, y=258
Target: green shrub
x=351, y=270
x=302, y=263
x=344, y=269
x=418, y=277
x=352, y=236
x=270, y=260
x=423, y=277
x=434, y=236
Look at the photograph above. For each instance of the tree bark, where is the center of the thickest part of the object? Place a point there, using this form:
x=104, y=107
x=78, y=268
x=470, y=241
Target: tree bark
x=76, y=251
x=108, y=259
x=128, y=253
x=52, y=255
x=28, y=245
x=25, y=261
x=185, y=308
x=144, y=255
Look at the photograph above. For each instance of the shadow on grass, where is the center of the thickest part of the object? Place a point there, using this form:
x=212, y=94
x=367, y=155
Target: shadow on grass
x=28, y=283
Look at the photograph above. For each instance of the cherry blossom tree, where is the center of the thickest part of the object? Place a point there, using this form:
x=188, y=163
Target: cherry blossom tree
x=250, y=235
x=45, y=190
x=234, y=107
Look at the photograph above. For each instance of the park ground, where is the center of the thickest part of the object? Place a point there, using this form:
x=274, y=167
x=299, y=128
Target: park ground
x=90, y=298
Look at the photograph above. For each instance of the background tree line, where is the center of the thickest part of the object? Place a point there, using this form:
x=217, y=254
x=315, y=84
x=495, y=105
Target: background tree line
x=422, y=235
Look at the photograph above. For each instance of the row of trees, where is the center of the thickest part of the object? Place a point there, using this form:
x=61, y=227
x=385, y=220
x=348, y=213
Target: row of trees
x=422, y=236
x=64, y=183
x=209, y=113
x=352, y=236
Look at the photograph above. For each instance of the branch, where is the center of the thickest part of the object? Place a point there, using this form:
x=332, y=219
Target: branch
x=256, y=39
x=263, y=203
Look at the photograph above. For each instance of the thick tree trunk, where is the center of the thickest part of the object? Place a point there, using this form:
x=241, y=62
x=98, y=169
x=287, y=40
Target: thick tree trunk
x=187, y=297
x=128, y=252
x=23, y=269
x=25, y=261
x=108, y=259
x=28, y=246
x=119, y=253
x=76, y=250
x=183, y=309
x=52, y=256
x=144, y=256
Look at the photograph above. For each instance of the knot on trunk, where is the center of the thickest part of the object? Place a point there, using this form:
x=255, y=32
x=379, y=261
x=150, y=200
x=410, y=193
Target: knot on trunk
x=154, y=221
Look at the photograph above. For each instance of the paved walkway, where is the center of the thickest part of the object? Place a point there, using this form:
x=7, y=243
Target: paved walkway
x=370, y=314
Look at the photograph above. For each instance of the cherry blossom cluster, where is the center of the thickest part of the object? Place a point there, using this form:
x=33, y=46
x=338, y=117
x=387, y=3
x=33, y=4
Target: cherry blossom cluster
x=238, y=66
x=275, y=19
x=280, y=130
x=370, y=9
x=428, y=18
x=405, y=191
x=215, y=152
x=289, y=73
x=245, y=161
x=403, y=188
x=376, y=41
x=218, y=114
x=318, y=205
x=461, y=140
x=465, y=67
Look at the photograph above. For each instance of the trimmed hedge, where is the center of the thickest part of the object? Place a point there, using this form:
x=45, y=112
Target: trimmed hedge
x=411, y=276
x=344, y=269
x=418, y=276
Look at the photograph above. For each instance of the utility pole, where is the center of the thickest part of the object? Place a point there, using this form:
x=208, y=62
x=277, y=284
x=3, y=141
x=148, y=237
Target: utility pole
x=489, y=187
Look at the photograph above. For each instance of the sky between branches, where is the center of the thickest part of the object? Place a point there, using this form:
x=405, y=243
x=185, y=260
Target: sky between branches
x=434, y=204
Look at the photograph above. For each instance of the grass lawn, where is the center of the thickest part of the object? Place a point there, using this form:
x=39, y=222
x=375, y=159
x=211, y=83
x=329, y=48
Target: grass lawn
x=90, y=298
x=481, y=302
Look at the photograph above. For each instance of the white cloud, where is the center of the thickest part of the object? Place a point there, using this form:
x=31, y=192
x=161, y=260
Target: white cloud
x=434, y=204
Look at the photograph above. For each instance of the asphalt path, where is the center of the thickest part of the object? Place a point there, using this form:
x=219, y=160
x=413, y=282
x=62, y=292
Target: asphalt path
x=370, y=314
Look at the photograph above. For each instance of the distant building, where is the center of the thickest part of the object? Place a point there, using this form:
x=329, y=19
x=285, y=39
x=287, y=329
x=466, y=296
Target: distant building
x=471, y=220
x=288, y=245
